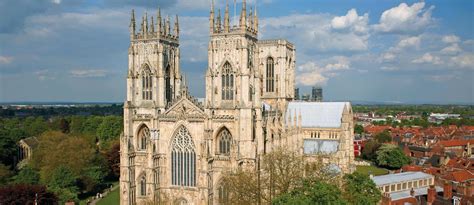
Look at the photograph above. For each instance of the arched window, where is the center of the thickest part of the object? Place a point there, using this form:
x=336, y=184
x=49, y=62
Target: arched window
x=183, y=159
x=225, y=139
x=270, y=75
x=147, y=84
x=181, y=202
x=223, y=194
x=227, y=82
x=168, y=88
x=143, y=135
x=143, y=186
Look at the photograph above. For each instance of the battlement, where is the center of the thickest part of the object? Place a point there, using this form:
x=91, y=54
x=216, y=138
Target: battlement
x=159, y=28
x=247, y=24
x=273, y=42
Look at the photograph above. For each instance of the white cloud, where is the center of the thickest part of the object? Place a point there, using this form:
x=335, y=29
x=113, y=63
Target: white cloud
x=313, y=32
x=351, y=20
x=45, y=75
x=389, y=68
x=405, y=19
x=393, y=52
x=450, y=39
x=310, y=73
x=194, y=37
x=56, y=1
x=193, y=5
x=387, y=57
x=442, y=78
x=6, y=59
x=452, y=49
x=465, y=60
x=311, y=78
x=428, y=58
x=413, y=41
x=88, y=73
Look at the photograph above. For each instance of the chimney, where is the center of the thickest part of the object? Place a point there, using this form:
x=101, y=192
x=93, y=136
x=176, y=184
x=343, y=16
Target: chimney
x=447, y=191
x=431, y=194
x=386, y=199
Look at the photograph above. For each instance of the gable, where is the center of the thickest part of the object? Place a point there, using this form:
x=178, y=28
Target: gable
x=184, y=108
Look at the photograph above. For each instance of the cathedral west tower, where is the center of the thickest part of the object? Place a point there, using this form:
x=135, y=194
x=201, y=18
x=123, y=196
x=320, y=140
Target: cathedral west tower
x=176, y=149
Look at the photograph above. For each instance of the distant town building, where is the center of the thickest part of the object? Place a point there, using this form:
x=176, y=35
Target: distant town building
x=406, y=187
x=25, y=150
x=440, y=117
x=305, y=97
x=297, y=93
x=317, y=94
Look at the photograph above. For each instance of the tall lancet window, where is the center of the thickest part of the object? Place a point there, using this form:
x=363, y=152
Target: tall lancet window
x=225, y=140
x=143, y=186
x=183, y=159
x=143, y=135
x=147, y=84
x=168, y=88
x=227, y=82
x=270, y=84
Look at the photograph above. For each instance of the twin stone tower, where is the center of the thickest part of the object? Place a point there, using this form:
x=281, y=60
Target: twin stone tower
x=175, y=149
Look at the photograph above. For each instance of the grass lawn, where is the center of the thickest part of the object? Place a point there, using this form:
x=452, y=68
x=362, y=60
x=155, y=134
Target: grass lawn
x=111, y=199
x=372, y=169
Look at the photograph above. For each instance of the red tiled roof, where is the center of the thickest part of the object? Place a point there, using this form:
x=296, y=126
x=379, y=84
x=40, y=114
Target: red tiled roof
x=460, y=176
x=376, y=129
x=468, y=128
x=411, y=168
x=455, y=143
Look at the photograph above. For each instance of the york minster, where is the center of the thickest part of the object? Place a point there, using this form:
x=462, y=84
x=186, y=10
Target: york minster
x=177, y=146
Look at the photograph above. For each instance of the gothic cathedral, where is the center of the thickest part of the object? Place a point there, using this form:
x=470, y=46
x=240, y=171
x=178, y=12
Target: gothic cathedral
x=175, y=148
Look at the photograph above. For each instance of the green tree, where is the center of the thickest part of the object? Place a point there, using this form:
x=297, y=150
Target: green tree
x=370, y=149
x=360, y=189
x=5, y=174
x=63, y=182
x=92, y=178
x=110, y=128
x=91, y=124
x=64, y=125
x=35, y=126
x=312, y=193
x=383, y=137
x=391, y=157
x=76, y=125
x=113, y=161
x=57, y=149
x=27, y=175
x=358, y=129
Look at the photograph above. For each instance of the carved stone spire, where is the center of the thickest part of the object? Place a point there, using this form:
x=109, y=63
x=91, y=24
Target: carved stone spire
x=255, y=20
x=146, y=23
x=176, y=26
x=158, y=22
x=219, y=21
x=168, y=29
x=164, y=27
x=132, y=25
x=152, y=26
x=250, y=19
x=211, y=18
x=226, y=18
x=243, y=16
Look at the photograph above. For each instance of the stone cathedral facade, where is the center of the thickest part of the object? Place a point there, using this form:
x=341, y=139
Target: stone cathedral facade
x=176, y=148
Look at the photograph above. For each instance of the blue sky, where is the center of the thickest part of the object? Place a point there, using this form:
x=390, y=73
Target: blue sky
x=364, y=50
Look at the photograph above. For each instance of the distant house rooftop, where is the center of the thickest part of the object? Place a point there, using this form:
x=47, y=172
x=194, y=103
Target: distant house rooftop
x=317, y=114
x=399, y=177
